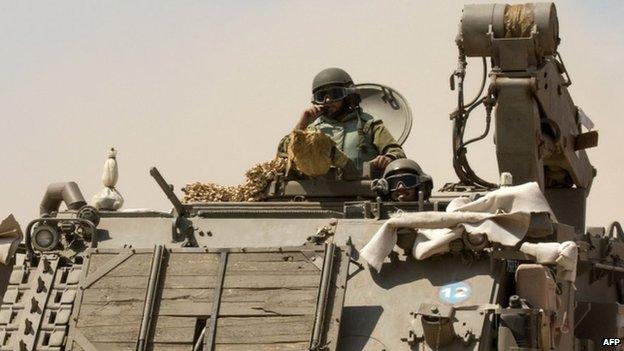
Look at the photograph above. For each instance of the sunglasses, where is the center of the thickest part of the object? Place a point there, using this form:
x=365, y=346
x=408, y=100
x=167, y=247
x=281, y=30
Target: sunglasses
x=333, y=94
x=407, y=180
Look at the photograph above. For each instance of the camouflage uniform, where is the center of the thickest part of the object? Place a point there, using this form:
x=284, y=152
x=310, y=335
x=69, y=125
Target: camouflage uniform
x=361, y=139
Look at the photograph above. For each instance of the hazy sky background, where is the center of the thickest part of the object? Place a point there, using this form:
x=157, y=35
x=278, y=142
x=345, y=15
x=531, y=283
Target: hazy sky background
x=203, y=90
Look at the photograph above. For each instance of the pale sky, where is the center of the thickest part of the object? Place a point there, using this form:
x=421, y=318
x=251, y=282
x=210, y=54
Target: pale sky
x=203, y=90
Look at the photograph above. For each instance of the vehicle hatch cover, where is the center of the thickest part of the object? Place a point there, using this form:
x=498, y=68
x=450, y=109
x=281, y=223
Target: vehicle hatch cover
x=388, y=105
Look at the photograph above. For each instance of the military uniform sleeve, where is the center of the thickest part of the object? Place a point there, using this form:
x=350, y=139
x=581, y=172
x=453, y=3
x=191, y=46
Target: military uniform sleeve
x=385, y=142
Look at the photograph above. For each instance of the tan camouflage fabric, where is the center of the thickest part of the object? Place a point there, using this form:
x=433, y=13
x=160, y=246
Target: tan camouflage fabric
x=257, y=178
x=519, y=20
x=311, y=153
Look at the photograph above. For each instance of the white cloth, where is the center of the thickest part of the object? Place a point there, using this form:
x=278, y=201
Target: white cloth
x=107, y=199
x=564, y=254
x=10, y=237
x=585, y=120
x=503, y=215
x=110, y=173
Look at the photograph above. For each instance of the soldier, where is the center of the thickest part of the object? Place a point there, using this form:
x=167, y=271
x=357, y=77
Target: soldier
x=404, y=179
x=335, y=111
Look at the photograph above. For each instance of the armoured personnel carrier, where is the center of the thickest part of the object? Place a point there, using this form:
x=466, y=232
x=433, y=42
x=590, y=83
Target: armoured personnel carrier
x=314, y=267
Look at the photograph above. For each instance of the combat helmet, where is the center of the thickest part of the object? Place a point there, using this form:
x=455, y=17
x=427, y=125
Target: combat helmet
x=337, y=84
x=395, y=171
x=331, y=76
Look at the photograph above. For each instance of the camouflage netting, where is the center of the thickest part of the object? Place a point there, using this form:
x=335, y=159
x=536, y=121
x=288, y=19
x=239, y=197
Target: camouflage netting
x=519, y=20
x=256, y=180
x=309, y=152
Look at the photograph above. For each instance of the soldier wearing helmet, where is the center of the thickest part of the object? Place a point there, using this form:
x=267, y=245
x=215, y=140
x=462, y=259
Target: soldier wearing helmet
x=335, y=111
x=404, y=178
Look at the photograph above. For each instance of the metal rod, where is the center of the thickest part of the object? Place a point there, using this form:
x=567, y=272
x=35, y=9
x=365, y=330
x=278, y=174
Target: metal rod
x=328, y=262
x=150, y=296
x=609, y=268
x=199, y=341
x=209, y=335
x=167, y=190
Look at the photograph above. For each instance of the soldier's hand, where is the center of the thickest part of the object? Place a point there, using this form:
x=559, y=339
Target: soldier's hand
x=380, y=161
x=308, y=116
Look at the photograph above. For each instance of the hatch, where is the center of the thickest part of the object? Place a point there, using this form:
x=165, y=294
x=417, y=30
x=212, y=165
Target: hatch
x=388, y=105
x=195, y=299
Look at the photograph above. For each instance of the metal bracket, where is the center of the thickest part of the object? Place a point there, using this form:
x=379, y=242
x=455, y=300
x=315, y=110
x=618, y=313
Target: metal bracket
x=323, y=233
x=389, y=98
x=182, y=229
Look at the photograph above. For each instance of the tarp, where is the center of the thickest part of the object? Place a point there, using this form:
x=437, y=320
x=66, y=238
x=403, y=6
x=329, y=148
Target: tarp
x=503, y=215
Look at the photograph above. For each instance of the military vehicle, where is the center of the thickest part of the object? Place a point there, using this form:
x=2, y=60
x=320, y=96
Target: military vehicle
x=288, y=273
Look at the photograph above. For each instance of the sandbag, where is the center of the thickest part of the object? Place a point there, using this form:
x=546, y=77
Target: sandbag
x=107, y=199
x=110, y=174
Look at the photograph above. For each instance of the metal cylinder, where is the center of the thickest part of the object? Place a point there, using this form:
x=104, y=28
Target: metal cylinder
x=475, y=242
x=475, y=25
x=45, y=237
x=438, y=331
x=67, y=192
x=321, y=304
x=477, y=19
